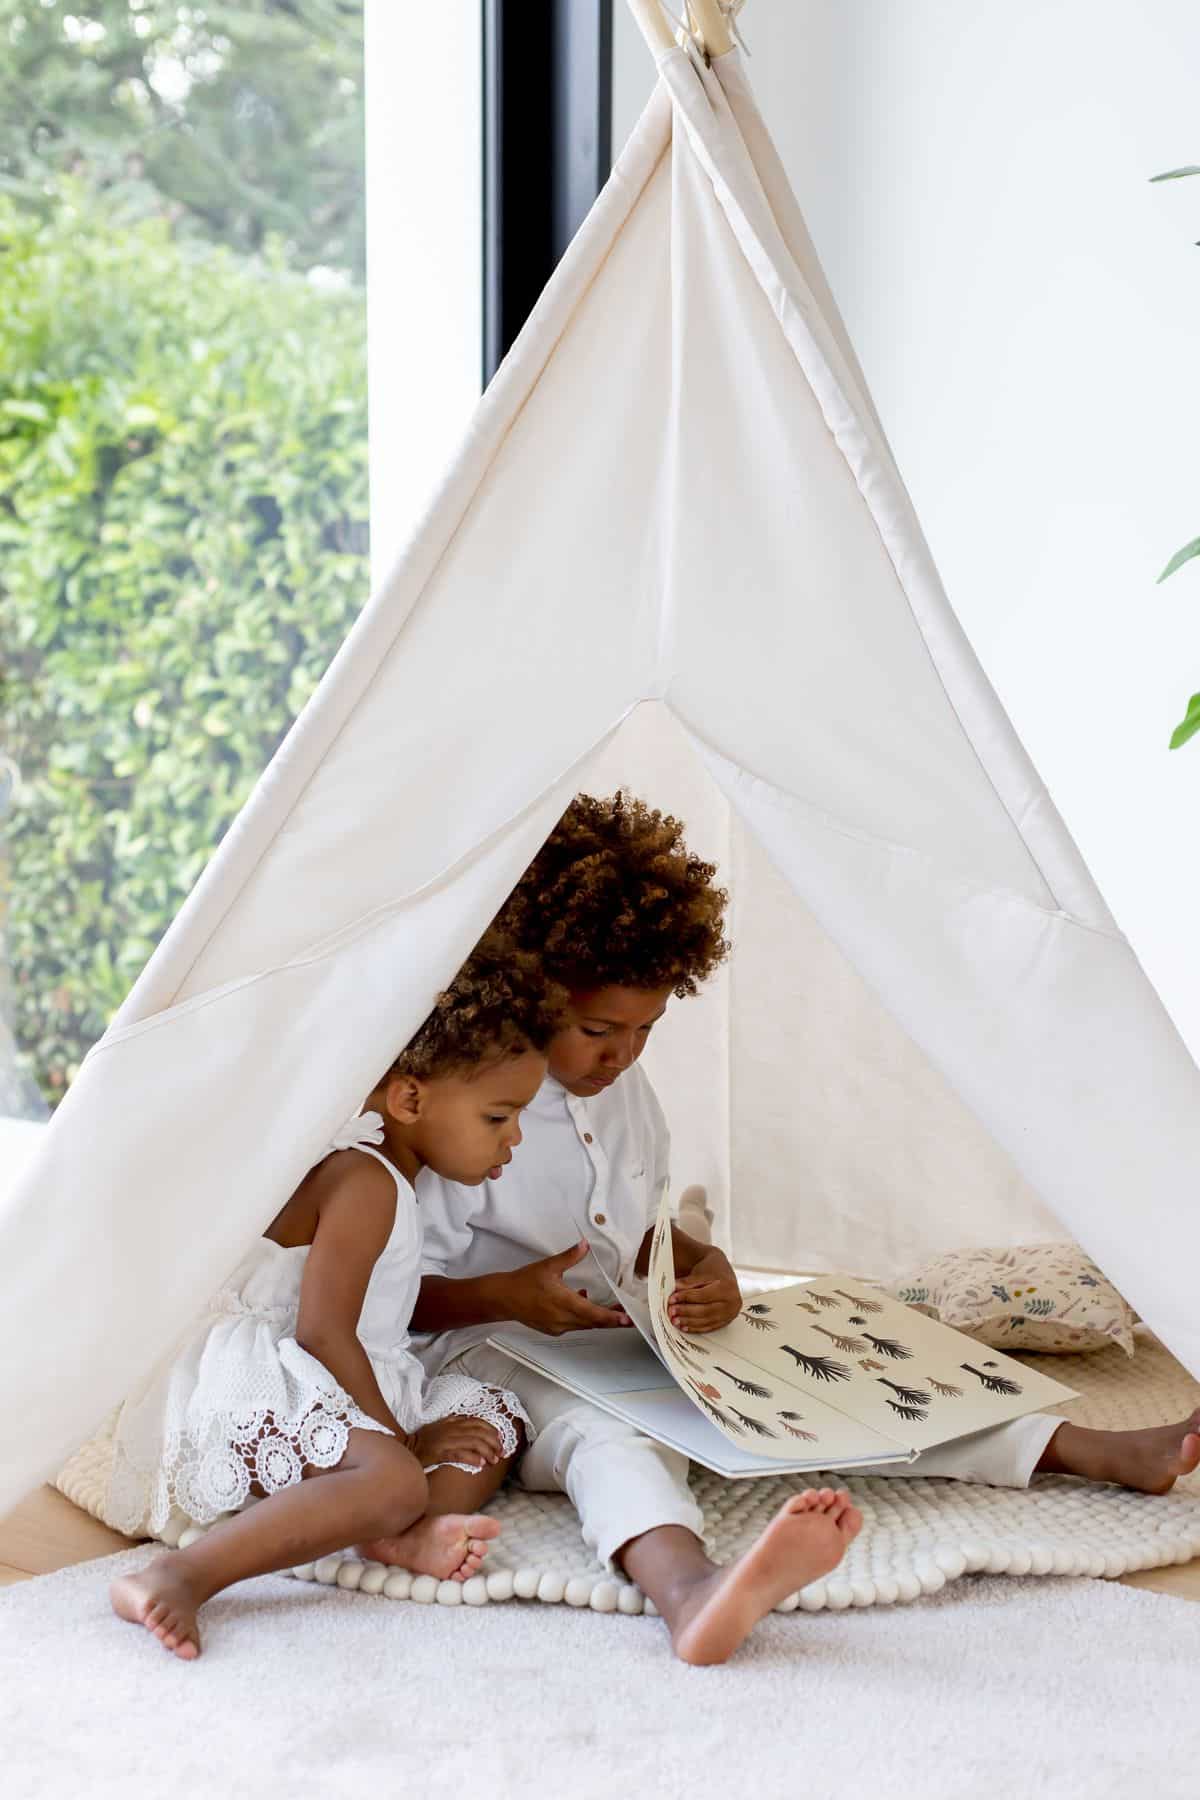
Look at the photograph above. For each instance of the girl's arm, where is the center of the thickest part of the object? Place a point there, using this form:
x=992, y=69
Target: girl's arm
x=354, y=1221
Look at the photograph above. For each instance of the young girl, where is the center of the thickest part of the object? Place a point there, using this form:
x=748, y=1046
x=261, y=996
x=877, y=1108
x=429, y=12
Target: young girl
x=301, y=1366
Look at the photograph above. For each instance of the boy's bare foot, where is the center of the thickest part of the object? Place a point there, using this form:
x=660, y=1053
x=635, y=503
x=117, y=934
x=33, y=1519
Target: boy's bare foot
x=1151, y=1460
x=449, y=1545
x=161, y=1598
x=806, y=1538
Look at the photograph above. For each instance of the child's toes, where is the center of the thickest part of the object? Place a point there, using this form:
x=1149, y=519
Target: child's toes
x=850, y=1523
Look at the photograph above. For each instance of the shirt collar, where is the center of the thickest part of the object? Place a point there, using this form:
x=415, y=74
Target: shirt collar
x=552, y=1097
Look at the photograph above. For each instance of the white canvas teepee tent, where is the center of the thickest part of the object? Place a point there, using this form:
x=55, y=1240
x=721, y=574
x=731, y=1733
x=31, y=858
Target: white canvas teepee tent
x=673, y=547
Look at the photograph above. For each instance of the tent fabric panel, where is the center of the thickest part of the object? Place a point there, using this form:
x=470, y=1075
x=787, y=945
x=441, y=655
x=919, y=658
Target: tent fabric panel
x=703, y=111
x=355, y=665
x=849, y=1150
x=177, y=1145
x=529, y=642
x=1048, y=1030
x=787, y=631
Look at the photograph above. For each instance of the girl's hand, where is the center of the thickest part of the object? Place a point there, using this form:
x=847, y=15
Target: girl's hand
x=457, y=1439
x=706, y=1298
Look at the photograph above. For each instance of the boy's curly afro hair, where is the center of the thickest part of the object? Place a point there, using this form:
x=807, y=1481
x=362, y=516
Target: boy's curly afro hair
x=500, y=1004
x=614, y=898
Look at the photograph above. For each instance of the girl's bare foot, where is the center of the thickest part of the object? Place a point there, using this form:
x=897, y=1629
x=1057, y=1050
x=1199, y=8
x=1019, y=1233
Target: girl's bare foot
x=806, y=1538
x=161, y=1598
x=449, y=1545
x=1150, y=1460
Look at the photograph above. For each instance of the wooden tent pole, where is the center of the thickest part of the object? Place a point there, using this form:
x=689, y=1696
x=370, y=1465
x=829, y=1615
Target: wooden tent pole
x=652, y=23
x=710, y=22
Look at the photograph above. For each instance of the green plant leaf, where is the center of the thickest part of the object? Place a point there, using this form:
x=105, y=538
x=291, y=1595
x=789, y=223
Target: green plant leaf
x=1177, y=174
x=1180, y=557
x=1189, y=725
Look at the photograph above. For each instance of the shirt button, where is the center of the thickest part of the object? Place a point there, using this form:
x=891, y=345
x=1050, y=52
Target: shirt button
x=587, y=1137
x=599, y=1219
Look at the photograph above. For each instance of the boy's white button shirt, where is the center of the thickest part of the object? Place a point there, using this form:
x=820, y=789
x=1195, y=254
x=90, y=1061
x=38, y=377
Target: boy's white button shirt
x=593, y=1168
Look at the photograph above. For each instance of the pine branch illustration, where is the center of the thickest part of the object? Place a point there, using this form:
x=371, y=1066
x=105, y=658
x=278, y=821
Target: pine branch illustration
x=852, y=1344
x=744, y=1387
x=944, y=1387
x=715, y=1413
x=869, y=1364
x=889, y=1347
x=995, y=1384
x=907, y=1412
x=752, y=1424
x=805, y=1307
x=821, y=1299
x=758, y=1322
x=910, y=1396
x=796, y=1431
x=860, y=1305
x=821, y=1368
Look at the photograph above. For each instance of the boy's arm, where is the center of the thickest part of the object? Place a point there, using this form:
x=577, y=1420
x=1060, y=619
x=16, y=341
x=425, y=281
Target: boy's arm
x=706, y=1294
x=535, y=1295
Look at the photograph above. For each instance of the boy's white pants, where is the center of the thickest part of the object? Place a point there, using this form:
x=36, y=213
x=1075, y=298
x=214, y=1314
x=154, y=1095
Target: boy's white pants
x=622, y=1483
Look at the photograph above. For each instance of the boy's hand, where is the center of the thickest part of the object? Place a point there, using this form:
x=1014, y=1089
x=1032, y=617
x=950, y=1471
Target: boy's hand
x=538, y=1296
x=706, y=1298
x=457, y=1439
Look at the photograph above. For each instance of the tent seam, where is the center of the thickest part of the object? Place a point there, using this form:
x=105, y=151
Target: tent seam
x=781, y=798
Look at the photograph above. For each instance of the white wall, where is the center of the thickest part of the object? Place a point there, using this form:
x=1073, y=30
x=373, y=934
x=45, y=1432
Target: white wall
x=1025, y=307
x=424, y=253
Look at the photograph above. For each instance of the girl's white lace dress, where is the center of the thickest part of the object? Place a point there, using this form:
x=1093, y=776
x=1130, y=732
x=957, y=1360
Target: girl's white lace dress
x=238, y=1400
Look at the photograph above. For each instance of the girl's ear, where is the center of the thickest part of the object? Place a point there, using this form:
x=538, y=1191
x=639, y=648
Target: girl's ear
x=403, y=1097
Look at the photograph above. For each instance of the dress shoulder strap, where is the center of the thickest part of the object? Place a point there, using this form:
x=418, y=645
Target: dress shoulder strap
x=363, y=1132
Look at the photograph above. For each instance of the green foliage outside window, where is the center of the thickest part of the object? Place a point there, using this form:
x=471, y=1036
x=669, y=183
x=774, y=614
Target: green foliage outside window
x=234, y=121
x=183, y=505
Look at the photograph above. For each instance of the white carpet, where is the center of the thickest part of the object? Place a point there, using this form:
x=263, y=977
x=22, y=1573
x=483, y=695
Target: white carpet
x=1071, y=1687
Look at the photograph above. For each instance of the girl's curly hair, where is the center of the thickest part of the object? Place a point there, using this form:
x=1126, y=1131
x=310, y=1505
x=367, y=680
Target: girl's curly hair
x=614, y=898
x=500, y=1004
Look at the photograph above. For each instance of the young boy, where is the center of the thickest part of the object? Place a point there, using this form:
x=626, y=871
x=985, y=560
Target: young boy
x=625, y=917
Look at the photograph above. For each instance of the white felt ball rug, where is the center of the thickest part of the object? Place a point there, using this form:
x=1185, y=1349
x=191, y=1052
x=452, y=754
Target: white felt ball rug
x=917, y=1534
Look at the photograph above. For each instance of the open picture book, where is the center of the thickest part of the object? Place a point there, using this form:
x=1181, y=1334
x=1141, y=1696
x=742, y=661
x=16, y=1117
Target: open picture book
x=823, y=1374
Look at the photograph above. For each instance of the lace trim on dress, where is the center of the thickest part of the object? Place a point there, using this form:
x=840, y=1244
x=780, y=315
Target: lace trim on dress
x=460, y=1397
x=204, y=1474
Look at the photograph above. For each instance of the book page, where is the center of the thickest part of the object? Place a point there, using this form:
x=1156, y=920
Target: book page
x=848, y=1346
x=618, y=1371
x=773, y=1416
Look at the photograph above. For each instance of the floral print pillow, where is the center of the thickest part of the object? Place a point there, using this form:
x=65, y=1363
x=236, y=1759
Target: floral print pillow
x=1048, y=1298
